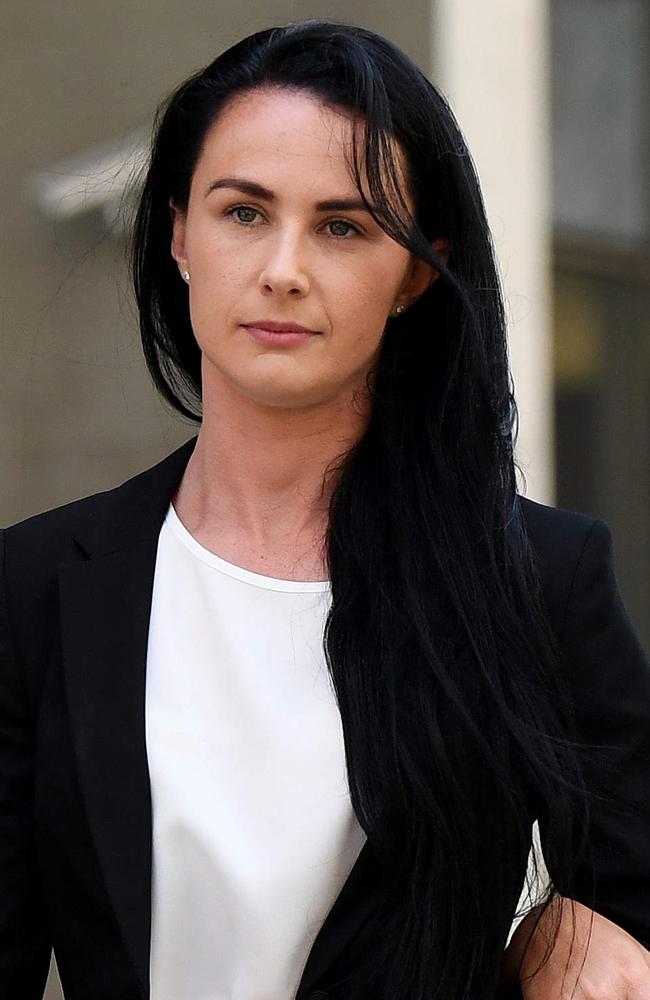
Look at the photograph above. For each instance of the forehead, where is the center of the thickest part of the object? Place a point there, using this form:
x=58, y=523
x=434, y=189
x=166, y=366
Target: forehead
x=283, y=137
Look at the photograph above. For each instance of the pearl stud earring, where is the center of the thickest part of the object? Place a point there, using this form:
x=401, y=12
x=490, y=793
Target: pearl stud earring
x=399, y=309
x=186, y=275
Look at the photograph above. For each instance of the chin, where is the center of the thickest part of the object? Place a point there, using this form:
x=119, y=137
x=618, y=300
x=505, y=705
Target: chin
x=288, y=401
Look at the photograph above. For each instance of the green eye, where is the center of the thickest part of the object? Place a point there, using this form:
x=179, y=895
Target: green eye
x=233, y=212
x=242, y=208
x=342, y=222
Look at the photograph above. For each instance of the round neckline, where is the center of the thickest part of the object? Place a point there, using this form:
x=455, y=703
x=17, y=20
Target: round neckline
x=235, y=571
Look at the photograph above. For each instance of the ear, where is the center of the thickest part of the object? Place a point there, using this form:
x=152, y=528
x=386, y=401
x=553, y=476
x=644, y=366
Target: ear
x=179, y=220
x=421, y=274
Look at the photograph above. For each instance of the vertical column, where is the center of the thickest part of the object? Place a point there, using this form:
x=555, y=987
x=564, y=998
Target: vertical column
x=491, y=62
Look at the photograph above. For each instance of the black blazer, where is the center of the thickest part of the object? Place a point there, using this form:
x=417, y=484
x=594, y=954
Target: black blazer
x=75, y=806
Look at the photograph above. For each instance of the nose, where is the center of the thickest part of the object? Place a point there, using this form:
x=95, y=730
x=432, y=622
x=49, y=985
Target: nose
x=285, y=270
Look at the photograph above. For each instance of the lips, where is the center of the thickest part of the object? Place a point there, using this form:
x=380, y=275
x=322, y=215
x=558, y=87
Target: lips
x=277, y=327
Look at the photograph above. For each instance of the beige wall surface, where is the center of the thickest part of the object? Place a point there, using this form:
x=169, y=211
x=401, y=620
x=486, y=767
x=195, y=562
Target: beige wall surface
x=492, y=62
x=77, y=411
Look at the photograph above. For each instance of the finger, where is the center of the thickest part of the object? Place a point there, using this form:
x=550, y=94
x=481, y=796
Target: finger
x=645, y=955
x=638, y=977
x=640, y=990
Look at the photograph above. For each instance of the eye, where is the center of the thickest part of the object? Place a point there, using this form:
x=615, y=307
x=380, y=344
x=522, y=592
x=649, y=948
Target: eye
x=242, y=208
x=236, y=209
x=343, y=222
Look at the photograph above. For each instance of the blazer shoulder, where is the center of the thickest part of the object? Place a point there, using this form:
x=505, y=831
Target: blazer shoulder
x=49, y=535
x=561, y=540
x=34, y=550
x=556, y=533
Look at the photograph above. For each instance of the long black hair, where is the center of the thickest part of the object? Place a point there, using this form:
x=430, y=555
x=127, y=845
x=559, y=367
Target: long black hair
x=456, y=722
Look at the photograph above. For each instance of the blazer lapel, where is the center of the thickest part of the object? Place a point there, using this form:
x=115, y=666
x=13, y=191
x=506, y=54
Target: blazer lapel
x=105, y=604
x=105, y=610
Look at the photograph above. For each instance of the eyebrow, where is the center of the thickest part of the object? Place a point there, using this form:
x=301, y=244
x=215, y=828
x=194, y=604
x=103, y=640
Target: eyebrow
x=258, y=191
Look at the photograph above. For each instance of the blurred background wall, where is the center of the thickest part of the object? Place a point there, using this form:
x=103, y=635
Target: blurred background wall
x=600, y=129
x=554, y=98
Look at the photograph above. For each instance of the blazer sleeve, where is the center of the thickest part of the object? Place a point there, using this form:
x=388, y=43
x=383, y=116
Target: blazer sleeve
x=25, y=948
x=609, y=679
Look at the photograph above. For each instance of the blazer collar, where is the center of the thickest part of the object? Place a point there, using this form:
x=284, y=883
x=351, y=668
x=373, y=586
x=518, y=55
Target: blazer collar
x=105, y=603
x=135, y=510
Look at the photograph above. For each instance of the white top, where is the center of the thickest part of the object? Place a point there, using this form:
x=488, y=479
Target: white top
x=253, y=831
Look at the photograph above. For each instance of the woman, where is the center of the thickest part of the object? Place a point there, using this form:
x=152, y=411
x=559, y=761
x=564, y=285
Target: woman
x=279, y=712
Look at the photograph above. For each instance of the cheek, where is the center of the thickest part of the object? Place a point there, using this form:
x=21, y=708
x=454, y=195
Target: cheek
x=217, y=284
x=364, y=303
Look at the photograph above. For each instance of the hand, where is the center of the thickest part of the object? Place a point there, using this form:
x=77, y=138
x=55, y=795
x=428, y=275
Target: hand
x=616, y=966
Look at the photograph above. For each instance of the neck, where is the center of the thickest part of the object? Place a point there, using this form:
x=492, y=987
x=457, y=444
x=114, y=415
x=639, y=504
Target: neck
x=265, y=472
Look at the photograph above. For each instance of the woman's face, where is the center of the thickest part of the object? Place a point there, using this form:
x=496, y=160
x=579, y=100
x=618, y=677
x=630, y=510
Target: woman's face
x=258, y=246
